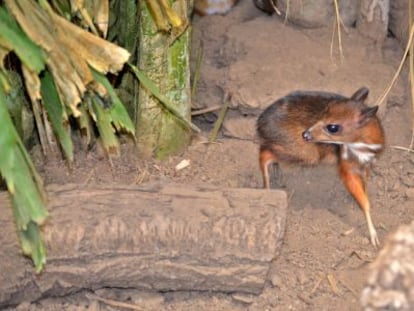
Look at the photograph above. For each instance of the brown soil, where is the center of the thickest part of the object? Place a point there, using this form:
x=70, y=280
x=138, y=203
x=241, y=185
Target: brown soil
x=326, y=234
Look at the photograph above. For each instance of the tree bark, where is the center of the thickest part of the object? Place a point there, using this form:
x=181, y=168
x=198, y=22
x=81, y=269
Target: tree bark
x=153, y=237
x=166, y=62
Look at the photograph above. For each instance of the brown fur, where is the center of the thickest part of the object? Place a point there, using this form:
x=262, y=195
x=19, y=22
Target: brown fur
x=209, y=7
x=301, y=128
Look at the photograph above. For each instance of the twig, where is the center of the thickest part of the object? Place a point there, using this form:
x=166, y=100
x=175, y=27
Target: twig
x=403, y=148
x=305, y=299
x=287, y=11
x=205, y=110
x=274, y=6
x=220, y=120
x=318, y=283
x=411, y=61
x=348, y=287
x=200, y=53
x=163, y=100
x=332, y=282
x=114, y=303
x=291, y=195
x=338, y=27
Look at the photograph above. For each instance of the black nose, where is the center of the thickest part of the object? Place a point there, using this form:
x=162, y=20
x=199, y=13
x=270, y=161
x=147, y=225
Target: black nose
x=307, y=135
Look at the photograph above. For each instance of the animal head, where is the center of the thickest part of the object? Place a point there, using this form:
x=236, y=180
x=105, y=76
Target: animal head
x=343, y=121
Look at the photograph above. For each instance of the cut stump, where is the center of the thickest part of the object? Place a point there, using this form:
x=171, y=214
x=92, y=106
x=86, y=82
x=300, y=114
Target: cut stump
x=153, y=237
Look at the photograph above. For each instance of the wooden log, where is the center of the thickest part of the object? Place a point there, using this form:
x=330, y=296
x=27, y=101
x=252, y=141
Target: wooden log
x=154, y=237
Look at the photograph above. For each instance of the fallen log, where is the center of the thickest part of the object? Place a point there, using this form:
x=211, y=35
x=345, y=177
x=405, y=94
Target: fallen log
x=154, y=237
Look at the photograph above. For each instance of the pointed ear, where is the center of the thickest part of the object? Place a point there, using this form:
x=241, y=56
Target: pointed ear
x=360, y=95
x=367, y=114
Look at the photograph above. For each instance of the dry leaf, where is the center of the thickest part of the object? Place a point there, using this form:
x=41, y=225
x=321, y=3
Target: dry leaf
x=69, y=50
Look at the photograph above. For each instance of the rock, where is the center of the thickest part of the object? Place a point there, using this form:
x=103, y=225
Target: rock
x=276, y=280
x=398, y=21
x=410, y=193
x=391, y=280
x=373, y=20
x=247, y=299
x=240, y=127
x=258, y=79
x=318, y=13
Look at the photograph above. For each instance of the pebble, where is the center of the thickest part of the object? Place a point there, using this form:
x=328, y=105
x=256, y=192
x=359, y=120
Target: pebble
x=23, y=306
x=148, y=298
x=407, y=180
x=301, y=277
x=410, y=193
x=247, y=299
x=94, y=306
x=241, y=127
x=276, y=280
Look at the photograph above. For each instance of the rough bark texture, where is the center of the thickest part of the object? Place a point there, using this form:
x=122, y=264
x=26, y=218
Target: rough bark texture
x=166, y=63
x=158, y=237
x=391, y=282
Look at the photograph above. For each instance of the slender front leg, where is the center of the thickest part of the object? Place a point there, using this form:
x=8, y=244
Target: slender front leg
x=351, y=176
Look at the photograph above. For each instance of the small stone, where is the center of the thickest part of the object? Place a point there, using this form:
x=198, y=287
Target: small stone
x=240, y=127
x=148, y=298
x=301, y=277
x=276, y=280
x=410, y=193
x=182, y=165
x=396, y=185
x=94, y=306
x=407, y=180
x=247, y=299
x=23, y=306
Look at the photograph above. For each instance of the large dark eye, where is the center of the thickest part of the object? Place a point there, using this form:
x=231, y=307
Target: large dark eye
x=333, y=128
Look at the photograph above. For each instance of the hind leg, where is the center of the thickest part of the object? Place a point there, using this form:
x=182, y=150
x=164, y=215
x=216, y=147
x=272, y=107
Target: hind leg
x=267, y=159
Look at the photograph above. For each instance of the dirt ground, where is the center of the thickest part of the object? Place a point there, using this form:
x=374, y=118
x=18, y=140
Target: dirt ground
x=326, y=252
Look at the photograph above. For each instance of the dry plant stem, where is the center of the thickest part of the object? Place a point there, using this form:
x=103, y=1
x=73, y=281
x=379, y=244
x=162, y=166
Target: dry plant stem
x=87, y=18
x=403, y=148
x=348, y=287
x=332, y=283
x=219, y=121
x=114, y=303
x=305, y=299
x=158, y=16
x=48, y=131
x=171, y=15
x=318, y=283
x=287, y=11
x=205, y=110
x=411, y=61
x=40, y=127
x=33, y=92
x=338, y=27
x=275, y=7
x=200, y=53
